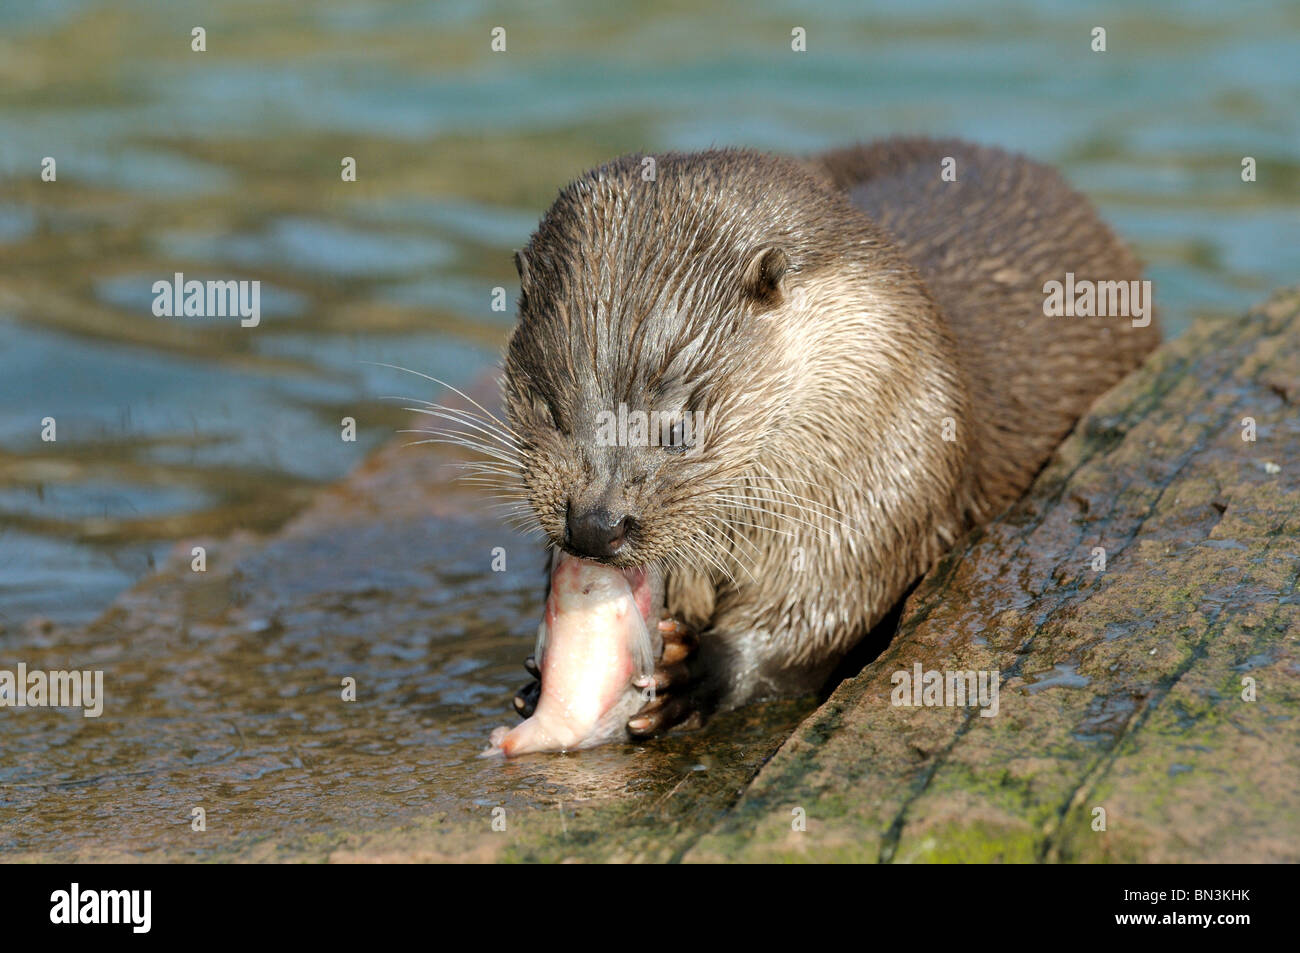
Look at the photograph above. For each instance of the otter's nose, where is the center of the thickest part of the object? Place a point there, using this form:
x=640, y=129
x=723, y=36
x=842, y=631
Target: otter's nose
x=596, y=533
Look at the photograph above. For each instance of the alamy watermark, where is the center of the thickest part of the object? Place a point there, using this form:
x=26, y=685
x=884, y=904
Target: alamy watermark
x=1085, y=298
x=208, y=299
x=678, y=429
x=34, y=688
x=130, y=907
x=935, y=689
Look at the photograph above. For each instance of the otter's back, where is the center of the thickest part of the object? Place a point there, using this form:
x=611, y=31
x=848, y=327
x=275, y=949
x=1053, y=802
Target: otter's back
x=985, y=245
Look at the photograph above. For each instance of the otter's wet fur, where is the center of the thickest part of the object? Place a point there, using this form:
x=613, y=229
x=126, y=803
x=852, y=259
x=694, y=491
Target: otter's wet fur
x=835, y=318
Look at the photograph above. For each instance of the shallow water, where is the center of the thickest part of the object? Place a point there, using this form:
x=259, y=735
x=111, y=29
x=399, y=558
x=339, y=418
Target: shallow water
x=225, y=164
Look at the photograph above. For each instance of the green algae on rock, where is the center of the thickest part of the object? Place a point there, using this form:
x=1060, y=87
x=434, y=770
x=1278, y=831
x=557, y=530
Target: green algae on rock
x=1174, y=736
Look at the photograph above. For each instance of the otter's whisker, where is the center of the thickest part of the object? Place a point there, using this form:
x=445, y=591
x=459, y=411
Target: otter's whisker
x=501, y=449
x=449, y=437
x=435, y=380
x=492, y=477
x=732, y=554
x=759, y=526
x=462, y=413
x=823, y=512
x=743, y=503
x=696, y=534
x=507, y=443
x=814, y=507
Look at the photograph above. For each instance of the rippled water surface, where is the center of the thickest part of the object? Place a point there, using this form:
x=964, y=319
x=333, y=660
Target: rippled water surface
x=225, y=164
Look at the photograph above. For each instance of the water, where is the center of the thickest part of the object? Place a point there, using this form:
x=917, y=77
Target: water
x=225, y=164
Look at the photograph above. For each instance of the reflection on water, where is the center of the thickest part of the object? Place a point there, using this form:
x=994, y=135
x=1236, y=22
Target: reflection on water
x=226, y=164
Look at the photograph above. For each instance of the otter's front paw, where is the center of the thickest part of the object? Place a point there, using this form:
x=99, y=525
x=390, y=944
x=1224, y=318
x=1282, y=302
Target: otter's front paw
x=526, y=698
x=670, y=687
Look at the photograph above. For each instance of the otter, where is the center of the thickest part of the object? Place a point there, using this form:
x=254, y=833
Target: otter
x=866, y=342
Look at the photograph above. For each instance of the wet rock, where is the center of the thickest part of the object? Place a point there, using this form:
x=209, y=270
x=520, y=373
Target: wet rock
x=1148, y=708
x=1121, y=689
x=226, y=693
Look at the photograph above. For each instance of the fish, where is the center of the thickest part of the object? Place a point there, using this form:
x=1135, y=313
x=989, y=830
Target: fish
x=598, y=635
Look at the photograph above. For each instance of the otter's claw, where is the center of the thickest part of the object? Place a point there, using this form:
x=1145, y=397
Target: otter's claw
x=669, y=687
x=526, y=698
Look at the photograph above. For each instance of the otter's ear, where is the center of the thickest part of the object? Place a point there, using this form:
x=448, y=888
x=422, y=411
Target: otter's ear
x=763, y=277
x=521, y=266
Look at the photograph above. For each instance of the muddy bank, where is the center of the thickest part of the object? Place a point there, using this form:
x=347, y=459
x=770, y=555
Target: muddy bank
x=1121, y=688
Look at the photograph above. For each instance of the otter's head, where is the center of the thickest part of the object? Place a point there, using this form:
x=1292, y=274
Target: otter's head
x=643, y=378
